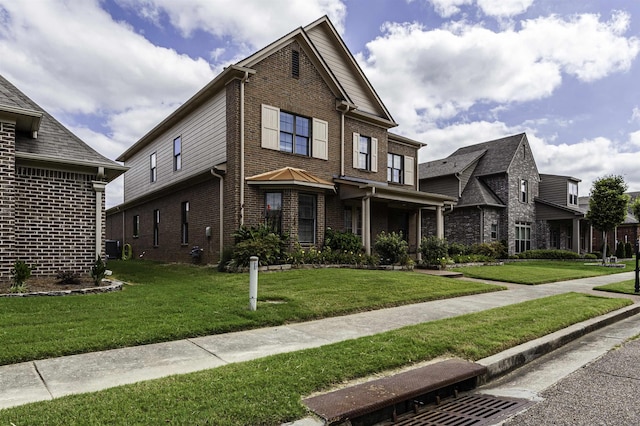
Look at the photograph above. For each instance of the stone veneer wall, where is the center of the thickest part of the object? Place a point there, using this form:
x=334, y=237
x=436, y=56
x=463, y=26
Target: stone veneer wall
x=55, y=220
x=7, y=189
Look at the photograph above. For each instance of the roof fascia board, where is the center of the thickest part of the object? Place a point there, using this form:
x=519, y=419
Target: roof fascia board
x=405, y=141
x=371, y=119
x=24, y=119
x=325, y=20
x=112, y=170
x=218, y=83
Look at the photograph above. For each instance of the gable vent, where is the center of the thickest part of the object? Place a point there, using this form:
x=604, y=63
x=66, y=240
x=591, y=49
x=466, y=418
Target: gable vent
x=295, y=63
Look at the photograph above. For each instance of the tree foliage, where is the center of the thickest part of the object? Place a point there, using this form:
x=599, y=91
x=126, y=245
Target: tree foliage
x=635, y=208
x=608, y=204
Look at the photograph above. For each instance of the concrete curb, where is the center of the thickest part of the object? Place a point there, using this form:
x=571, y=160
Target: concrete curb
x=510, y=359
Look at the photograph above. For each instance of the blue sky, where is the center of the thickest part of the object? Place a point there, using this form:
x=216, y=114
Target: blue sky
x=451, y=72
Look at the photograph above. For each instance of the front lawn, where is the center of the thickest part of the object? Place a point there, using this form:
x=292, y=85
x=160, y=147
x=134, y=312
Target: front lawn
x=165, y=302
x=541, y=271
x=624, y=287
x=268, y=391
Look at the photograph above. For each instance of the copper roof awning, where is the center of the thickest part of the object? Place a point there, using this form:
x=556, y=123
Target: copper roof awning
x=290, y=176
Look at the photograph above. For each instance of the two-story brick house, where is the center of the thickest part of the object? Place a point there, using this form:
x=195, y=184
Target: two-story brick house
x=294, y=136
x=52, y=185
x=502, y=197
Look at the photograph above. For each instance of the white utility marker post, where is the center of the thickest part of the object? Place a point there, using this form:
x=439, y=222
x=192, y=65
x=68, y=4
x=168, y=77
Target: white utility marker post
x=253, y=283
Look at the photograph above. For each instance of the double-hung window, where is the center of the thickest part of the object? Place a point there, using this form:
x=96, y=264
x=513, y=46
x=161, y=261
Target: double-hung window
x=156, y=227
x=177, y=153
x=273, y=211
x=295, y=133
x=573, y=194
x=524, y=191
x=185, y=222
x=136, y=226
x=523, y=237
x=306, y=218
x=395, y=168
x=153, y=167
x=364, y=153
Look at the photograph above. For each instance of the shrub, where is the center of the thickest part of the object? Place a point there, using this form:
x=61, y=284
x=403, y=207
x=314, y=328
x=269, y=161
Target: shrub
x=434, y=250
x=68, y=277
x=620, y=250
x=20, y=273
x=391, y=248
x=597, y=254
x=98, y=270
x=549, y=254
x=591, y=256
x=493, y=250
x=469, y=258
x=258, y=241
x=225, y=258
x=457, y=249
x=628, y=250
x=342, y=241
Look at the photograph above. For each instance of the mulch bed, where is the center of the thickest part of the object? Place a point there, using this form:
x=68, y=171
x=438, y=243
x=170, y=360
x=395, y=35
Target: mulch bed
x=49, y=284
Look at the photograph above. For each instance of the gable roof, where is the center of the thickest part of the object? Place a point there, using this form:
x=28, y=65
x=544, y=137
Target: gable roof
x=40, y=138
x=452, y=165
x=476, y=193
x=326, y=49
x=499, y=154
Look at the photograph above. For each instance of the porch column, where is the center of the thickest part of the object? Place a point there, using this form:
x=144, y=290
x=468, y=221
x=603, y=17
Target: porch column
x=439, y=222
x=418, y=234
x=576, y=235
x=366, y=224
x=590, y=238
x=98, y=187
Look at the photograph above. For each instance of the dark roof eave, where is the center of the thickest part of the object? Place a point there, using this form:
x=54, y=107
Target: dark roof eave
x=111, y=170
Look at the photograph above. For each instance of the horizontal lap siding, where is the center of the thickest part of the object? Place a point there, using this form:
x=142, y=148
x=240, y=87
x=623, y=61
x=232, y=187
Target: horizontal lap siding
x=203, y=135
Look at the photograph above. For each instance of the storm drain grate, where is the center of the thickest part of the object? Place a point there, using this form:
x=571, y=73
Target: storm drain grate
x=468, y=410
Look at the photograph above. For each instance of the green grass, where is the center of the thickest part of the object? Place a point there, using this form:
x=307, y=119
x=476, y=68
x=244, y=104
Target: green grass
x=268, y=391
x=624, y=287
x=168, y=302
x=540, y=271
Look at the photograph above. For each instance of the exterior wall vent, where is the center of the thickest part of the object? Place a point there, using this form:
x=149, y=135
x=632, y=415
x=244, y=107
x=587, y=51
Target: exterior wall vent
x=295, y=64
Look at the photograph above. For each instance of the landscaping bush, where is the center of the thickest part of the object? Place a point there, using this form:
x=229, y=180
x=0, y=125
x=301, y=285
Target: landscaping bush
x=493, y=250
x=591, y=256
x=342, y=241
x=20, y=273
x=68, y=277
x=457, y=249
x=471, y=258
x=434, y=250
x=258, y=241
x=98, y=270
x=597, y=254
x=620, y=250
x=391, y=248
x=628, y=250
x=549, y=254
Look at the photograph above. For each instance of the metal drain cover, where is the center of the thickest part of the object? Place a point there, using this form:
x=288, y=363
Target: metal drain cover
x=468, y=410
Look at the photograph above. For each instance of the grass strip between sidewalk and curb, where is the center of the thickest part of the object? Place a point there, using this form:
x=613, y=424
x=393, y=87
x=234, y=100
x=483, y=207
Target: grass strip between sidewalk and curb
x=165, y=302
x=268, y=391
x=623, y=287
x=541, y=271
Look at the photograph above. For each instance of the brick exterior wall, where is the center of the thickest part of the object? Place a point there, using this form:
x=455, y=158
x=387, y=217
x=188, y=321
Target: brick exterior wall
x=7, y=201
x=55, y=223
x=204, y=202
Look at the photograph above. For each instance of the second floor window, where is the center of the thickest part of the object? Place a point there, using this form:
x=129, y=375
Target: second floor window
x=395, y=168
x=177, y=153
x=153, y=168
x=524, y=191
x=295, y=133
x=573, y=193
x=364, y=153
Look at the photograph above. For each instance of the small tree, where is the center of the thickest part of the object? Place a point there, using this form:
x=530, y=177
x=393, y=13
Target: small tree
x=98, y=270
x=607, y=205
x=635, y=208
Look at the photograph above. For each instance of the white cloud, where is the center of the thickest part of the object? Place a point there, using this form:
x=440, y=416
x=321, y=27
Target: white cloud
x=256, y=22
x=504, y=8
x=428, y=75
x=447, y=8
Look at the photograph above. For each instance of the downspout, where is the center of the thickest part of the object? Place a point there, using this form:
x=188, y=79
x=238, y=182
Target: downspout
x=221, y=211
x=99, y=187
x=342, y=113
x=242, y=83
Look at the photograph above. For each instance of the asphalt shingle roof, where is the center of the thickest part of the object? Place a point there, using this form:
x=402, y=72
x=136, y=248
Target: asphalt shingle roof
x=451, y=165
x=54, y=141
x=498, y=156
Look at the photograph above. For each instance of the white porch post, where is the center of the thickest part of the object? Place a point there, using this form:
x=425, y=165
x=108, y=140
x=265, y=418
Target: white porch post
x=98, y=187
x=576, y=235
x=366, y=224
x=439, y=222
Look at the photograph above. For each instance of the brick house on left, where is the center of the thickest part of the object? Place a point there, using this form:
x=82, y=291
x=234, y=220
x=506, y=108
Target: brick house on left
x=52, y=186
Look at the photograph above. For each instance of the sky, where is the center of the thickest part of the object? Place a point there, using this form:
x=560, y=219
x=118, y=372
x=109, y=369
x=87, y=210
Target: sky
x=451, y=72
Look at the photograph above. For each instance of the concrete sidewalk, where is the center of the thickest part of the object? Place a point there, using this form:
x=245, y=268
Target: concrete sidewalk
x=53, y=378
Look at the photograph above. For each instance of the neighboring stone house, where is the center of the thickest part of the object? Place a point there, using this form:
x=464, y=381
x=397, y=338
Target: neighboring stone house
x=52, y=186
x=502, y=197
x=293, y=136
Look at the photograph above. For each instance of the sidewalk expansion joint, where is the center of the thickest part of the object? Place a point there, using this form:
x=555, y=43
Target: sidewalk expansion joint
x=44, y=382
x=207, y=351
